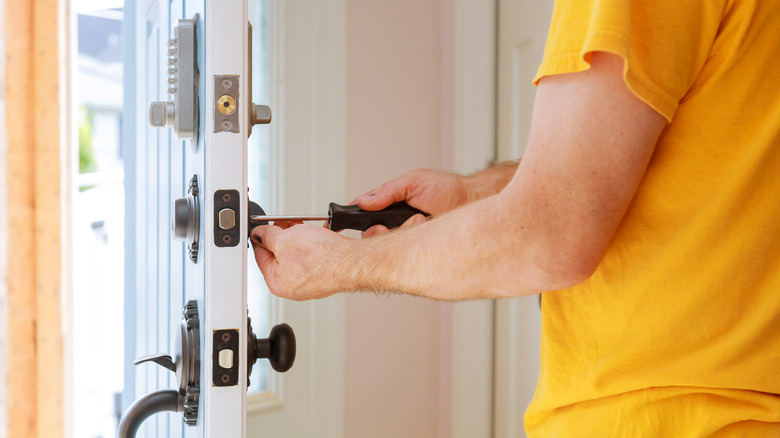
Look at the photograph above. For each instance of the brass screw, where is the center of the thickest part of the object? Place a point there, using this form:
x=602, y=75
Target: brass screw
x=226, y=197
x=226, y=239
x=225, y=378
x=226, y=337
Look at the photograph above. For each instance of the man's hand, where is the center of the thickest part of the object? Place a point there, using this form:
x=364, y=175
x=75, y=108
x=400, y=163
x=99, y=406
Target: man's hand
x=295, y=261
x=430, y=191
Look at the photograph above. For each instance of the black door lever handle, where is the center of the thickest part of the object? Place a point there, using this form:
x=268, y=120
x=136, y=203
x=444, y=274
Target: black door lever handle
x=161, y=359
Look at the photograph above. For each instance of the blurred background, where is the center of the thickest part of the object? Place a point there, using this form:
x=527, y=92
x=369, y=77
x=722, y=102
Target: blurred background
x=98, y=223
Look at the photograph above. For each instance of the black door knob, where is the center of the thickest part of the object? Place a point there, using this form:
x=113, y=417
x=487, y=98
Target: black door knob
x=278, y=348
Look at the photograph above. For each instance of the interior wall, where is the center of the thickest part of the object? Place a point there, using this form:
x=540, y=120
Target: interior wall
x=399, y=78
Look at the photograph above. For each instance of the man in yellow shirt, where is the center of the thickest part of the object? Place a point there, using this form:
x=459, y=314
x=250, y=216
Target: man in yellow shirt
x=645, y=210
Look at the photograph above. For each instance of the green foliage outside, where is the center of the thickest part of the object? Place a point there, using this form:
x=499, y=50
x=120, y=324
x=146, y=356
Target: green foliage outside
x=87, y=162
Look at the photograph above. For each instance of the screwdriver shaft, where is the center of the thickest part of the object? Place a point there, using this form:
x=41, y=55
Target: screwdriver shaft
x=287, y=218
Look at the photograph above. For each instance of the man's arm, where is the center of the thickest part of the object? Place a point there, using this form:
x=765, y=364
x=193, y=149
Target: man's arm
x=591, y=140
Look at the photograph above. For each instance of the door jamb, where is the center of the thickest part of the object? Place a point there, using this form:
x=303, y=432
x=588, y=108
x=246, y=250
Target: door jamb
x=308, y=99
x=474, y=149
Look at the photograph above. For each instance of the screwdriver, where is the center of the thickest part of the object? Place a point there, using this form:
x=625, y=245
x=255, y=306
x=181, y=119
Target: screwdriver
x=349, y=217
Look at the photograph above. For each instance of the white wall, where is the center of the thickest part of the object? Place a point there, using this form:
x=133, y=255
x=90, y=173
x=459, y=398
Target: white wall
x=399, y=85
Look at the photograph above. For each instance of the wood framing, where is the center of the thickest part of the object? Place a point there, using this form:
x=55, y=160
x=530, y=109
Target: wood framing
x=3, y=243
x=34, y=95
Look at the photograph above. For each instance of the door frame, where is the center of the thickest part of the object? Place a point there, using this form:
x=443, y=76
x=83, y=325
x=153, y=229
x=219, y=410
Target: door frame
x=474, y=149
x=522, y=32
x=308, y=159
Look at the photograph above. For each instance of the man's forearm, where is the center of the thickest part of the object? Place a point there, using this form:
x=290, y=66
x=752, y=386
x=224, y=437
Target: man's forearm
x=457, y=256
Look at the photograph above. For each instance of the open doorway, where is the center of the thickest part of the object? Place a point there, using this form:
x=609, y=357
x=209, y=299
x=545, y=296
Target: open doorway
x=98, y=218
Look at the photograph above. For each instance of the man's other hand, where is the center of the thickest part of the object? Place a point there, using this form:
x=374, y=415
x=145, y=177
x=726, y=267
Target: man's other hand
x=295, y=261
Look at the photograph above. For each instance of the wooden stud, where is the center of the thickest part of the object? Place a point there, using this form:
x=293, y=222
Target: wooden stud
x=48, y=95
x=21, y=377
x=33, y=100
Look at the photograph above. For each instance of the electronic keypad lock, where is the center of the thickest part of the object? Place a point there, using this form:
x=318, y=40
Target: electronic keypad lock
x=181, y=112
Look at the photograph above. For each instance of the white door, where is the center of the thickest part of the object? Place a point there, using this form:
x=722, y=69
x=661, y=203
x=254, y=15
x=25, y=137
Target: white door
x=522, y=31
x=203, y=161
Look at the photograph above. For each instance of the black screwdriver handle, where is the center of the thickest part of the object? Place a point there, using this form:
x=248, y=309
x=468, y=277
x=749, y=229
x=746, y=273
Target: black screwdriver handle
x=352, y=217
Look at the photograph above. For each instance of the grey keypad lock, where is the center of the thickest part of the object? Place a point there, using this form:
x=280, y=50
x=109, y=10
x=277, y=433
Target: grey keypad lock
x=181, y=112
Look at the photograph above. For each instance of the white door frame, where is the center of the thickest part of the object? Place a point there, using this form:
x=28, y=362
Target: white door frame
x=474, y=149
x=523, y=27
x=307, y=167
x=308, y=158
x=223, y=408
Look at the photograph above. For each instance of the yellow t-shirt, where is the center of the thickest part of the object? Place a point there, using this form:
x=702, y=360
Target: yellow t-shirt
x=677, y=334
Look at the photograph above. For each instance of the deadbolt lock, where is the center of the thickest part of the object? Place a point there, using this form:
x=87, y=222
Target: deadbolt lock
x=226, y=104
x=185, y=219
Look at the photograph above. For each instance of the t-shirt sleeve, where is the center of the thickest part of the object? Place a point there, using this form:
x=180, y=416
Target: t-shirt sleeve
x=665, y=43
